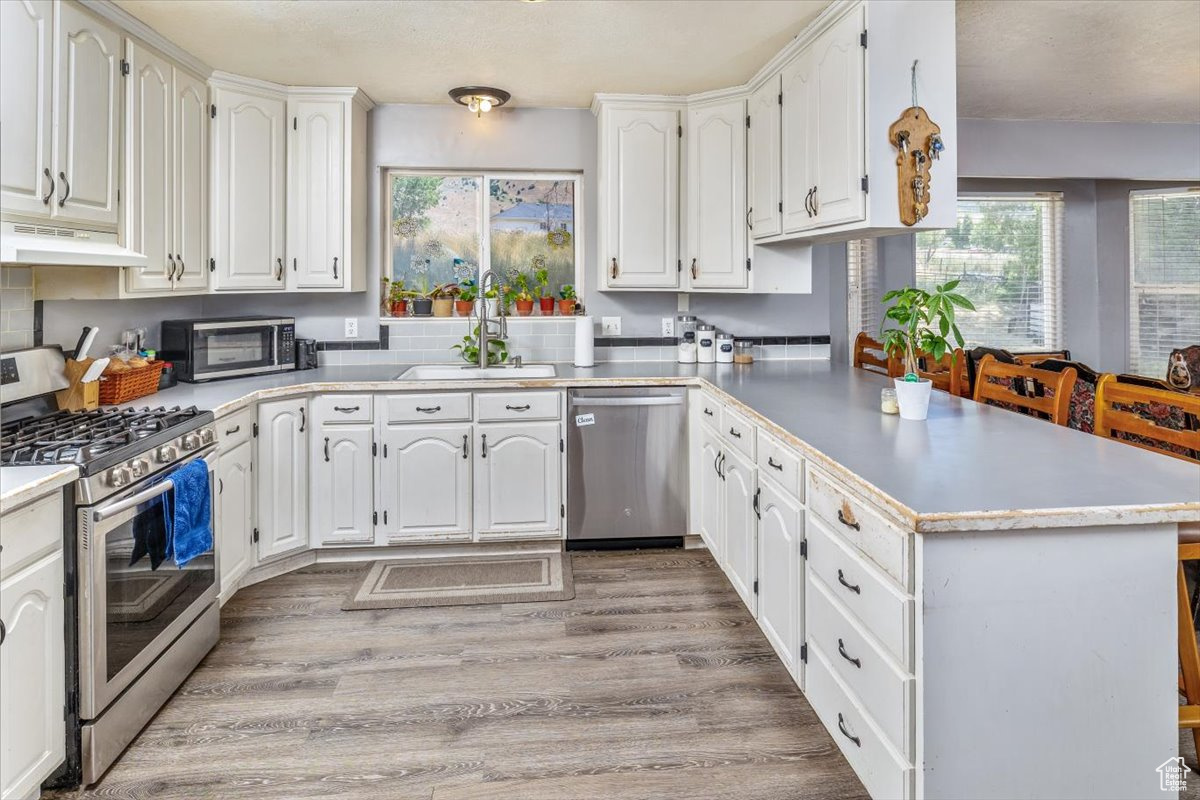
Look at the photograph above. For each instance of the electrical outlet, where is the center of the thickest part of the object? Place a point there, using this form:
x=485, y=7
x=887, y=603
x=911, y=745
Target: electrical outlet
x=610, y=326
x=351, y=327
x=668, y=326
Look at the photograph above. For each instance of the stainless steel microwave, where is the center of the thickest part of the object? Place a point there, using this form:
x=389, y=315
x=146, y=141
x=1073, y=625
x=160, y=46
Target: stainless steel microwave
x=227, y=347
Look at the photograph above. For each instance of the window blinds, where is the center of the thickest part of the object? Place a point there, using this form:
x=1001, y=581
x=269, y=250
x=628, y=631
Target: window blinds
x=1006, y=251
x=863, y=309
x=1164, y=276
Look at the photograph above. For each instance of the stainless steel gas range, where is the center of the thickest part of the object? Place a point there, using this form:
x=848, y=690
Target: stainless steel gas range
x=140, y=624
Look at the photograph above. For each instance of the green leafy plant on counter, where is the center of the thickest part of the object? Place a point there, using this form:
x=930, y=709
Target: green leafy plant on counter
x=469, y=348
x=922, y=322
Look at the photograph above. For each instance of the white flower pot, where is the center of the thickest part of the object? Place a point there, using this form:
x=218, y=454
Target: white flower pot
x=913, y=397
x=492, y=303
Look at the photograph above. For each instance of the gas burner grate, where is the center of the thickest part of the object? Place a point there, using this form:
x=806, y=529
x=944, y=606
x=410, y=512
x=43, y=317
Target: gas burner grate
x=77, y=437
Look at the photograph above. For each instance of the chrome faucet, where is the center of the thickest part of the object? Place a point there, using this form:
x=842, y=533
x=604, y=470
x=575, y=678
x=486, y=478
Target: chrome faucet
x=489, y=278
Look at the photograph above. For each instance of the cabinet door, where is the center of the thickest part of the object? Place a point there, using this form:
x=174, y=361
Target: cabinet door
x=799, y=143
x=149, y=168
x=711, y=491
x=33, y=689
x=235, y=514
x=517, y=480
x=741, y=540
x=248, y=192
x=425, y=483
x=88, y=71
x=716, y=207
x=316, y=193
x=641, y=205
x=343, y=485
x=780, y=611
x=764, y=160
x=26, y=50
x=839, y=97
x=191, y=182
x=282, y=477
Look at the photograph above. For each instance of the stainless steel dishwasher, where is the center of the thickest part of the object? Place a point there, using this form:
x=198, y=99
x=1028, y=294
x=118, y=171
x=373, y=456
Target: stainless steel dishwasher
x=626, y=468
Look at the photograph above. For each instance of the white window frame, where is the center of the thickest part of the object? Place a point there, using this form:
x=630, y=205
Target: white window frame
x=485, y=245
x=1136, y=289
x=863, y=290
x=1052, y=279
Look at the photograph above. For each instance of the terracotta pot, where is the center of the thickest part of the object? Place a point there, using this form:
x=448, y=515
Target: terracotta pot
x=399, y=308
x=443, y=306
x=422, y=307
x=567, y=307
x=463, y=307
x=547, y=306
x=524, y=308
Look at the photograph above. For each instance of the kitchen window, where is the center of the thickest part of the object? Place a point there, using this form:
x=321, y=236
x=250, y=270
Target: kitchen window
x=450, y=227
x=864, y=312
x=1006, y=251
x=1164, y=276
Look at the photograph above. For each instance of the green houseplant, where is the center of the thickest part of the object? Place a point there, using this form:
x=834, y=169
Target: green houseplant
x=522, y=299
x=566, y=303
x=468, y=291
x=921, y=322
x=468, y=348
x=545, y=296
x=398, y=298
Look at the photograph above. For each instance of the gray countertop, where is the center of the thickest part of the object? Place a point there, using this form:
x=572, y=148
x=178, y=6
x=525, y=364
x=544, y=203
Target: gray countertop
x=967, y=467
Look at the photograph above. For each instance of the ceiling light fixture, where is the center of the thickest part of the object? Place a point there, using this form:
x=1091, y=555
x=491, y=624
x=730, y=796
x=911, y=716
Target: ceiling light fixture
x=479, y=99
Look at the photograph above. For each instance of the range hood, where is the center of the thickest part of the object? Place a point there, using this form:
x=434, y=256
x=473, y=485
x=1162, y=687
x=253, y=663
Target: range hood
x=50, y=245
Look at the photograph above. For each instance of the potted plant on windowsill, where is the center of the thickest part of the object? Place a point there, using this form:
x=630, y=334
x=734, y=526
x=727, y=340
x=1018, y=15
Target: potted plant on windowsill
x=522, y=299
x=443, y=300
x=398, y=298
x=566, y=303
x=491, y=298
x=922, y=320
x=422, y=298
x=545, y=296
x=468, y=291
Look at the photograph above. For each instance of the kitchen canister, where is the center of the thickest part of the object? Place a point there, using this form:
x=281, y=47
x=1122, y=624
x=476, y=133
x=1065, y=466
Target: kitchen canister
x=724, y=348
x=706, y=343
x=685, y=333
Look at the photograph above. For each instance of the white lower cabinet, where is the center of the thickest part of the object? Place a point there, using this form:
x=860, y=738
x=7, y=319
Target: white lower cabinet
x=341, y=493
x=424, y=483
x=780, y=575
x=709, y=480
x=32, y=649
x=518, y=480
x=235, y=513
x=739, y=523
x=282, y=477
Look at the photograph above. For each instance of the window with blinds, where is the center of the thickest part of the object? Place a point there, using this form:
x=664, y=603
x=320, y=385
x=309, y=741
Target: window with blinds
x=1006, y=251
x=1164, y=277
x=863, y=309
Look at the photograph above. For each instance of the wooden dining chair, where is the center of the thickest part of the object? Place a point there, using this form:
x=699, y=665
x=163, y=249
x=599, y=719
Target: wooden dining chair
x=1042, y=355
x=949, y=373
x=1028, y=390
x=870, y=356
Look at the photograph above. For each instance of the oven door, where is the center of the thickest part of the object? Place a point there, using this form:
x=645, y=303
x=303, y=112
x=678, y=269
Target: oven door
x=223, y=349
x=129, y=611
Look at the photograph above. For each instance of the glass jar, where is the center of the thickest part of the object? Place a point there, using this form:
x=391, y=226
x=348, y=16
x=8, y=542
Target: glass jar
x=685, y=333
x=724, y=348
x=706, y=343
x=743, y=351
x=888, y=403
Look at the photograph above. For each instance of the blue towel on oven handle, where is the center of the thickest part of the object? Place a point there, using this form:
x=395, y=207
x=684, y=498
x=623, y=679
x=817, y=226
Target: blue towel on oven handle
x=189, y=514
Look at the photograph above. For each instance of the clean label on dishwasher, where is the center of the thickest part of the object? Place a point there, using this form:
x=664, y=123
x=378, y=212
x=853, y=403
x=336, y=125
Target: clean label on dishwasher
x=584, y=419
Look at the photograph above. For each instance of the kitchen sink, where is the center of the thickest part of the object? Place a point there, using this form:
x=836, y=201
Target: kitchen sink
x=453, y=372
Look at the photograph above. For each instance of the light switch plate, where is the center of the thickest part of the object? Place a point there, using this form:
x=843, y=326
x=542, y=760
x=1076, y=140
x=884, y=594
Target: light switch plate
x=668, y=326
x=610, y=326
x=351, y=327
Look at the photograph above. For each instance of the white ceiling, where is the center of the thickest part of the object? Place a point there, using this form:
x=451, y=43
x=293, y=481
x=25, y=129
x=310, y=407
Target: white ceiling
x=1017, y=59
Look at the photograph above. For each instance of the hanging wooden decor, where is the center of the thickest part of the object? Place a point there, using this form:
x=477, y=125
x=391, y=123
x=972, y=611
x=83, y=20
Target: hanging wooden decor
x=918, y=141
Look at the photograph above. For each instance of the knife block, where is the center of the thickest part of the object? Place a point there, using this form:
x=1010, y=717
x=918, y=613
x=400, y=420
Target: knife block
x=78, y=396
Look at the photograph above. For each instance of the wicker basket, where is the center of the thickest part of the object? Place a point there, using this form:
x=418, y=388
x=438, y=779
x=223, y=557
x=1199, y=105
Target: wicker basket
x=121, y=387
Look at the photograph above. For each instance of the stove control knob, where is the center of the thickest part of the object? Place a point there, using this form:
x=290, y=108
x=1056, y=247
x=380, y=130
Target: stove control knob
x=166, y=453
x=191, y=441
x=140, y=467
x=119, y=476
x=207, y=436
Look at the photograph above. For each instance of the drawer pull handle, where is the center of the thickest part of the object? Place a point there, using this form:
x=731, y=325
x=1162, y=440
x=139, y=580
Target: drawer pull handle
x=518, y=408
x=433, y=410
x=483, y=446
x=848, y=519
x=327, y=449
x=346, y=409
x=707, y=413
x=757, y=507
x=846, y=733
x=852, y=587
x=464, y=446
x=771, y=463
x=842, y=651
x=734, y=434
x=3, y=632
x=233, y=430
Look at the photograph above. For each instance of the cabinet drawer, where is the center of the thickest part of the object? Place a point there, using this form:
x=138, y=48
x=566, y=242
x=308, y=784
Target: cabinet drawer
x=516, y=406
x=883, y=609
x=885, y=690
x=738, y=431
x=335, y=408
x=879, y=540
x=883, y=771
x=30, y=532
x=710, y=410
x=781, y=463
x=235, y=428
x=447, y=407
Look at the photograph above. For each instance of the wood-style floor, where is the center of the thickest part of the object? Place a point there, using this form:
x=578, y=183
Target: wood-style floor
x=654, y=682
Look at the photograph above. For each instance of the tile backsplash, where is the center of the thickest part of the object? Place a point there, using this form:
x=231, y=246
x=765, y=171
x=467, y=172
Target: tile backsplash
x=16, y=308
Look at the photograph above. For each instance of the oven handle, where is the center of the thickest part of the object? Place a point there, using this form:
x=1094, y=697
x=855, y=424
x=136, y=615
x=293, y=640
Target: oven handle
x=154, y=491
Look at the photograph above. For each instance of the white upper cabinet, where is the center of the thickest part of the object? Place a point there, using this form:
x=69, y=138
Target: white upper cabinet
x=639, y=196
x=190, y=229
x=26, y=147
x=798, y=155
x=282, y=461
x=518, y=480
x=248, y=189
x=763, y=159
x=316, y=192
x=837, y=65
x=715, y=257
